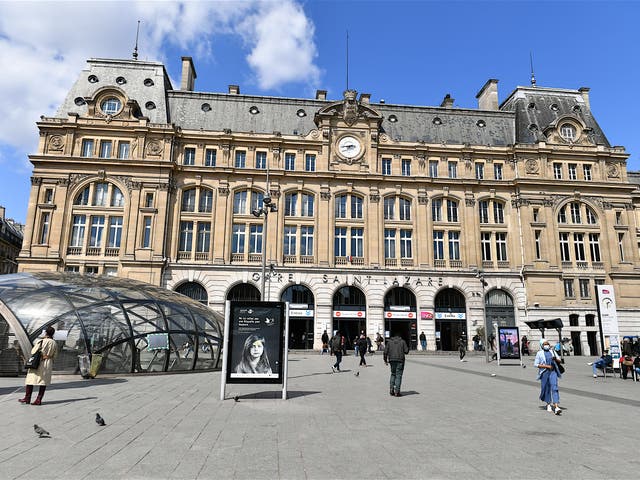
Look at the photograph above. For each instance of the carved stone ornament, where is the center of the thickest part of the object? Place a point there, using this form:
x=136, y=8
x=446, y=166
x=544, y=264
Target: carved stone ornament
x=374, y=197
x=613, y=170
x=384, y=138
x=469, y=202
x=314, y=133
x=223, y=191
x=275, y=192
x=531, y=166
x=63, y=182
x=56, y=142
x=325, y=195
x=36, y=180
x=350, y=107
x=154, y=148
x=423, y=199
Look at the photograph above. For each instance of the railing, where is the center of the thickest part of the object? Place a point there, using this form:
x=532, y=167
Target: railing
x=341, y=260
x=255, y=257
x=357, y=260
x=237, y=257
x=567, y=265
x=582, y=265
x=290, y=259
x=202, y=256
x=93, y=251
x=598, y=265
x=487, y=264
x=503, y=264
x=112, y=251
x=184, y=255
x=455, y=263
x=306, y=259
x=74, y=251
x=439, y=263
x=390, y=262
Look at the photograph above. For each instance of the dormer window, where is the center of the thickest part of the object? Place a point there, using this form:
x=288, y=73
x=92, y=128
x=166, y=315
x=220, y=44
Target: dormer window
x=111, y=106
x=568, y=132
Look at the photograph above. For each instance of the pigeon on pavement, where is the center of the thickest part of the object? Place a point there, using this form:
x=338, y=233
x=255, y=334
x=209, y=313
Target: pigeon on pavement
x=100, y=420
x=357, y=374
x=236, y=398
x=40, y=431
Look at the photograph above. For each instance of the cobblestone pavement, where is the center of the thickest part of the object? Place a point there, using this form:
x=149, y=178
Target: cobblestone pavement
x=455, y=420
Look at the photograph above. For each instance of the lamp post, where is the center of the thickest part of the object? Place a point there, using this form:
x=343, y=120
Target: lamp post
x=267, y=206
x=485, y=340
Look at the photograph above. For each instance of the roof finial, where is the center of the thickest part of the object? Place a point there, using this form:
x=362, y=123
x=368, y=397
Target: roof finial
x=135, y=49
x=533, y=75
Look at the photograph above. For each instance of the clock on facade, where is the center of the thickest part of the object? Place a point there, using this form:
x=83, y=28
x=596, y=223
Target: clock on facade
x=349, y=147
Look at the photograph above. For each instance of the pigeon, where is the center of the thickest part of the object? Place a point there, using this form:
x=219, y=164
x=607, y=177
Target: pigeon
x=357, y=374
x=100, y=420
x=524, y=366
x=236, y=398
x=40, y=431
x=493, y=374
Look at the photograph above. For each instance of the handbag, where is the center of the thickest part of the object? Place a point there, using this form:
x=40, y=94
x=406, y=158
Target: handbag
x=561, y=368
x=34, y=360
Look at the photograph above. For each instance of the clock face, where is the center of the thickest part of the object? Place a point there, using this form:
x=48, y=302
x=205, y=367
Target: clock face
x=349, y=147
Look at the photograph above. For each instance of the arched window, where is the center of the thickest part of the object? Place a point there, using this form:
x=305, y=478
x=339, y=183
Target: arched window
x=491, y=211
x=195, y=291
x=498, y=298
x=568, y=132
x=348, y=206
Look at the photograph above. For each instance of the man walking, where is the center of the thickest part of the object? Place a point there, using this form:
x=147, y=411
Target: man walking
x=336, y=346
x=462, y=347
x=423, y=342
x=325, y=343
x=394, y=351
x=362, y=348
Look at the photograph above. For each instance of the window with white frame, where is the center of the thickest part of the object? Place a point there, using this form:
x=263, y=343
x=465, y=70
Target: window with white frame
x=255, y=238
x=306, y=240
x=87, y=148
x=497, y=171
x=406, y=250
x=578, y=247
x=189, y=200
x=189, y=156
x=498, y=212
x=261, y=160
x=565, y=253
x=594, y=246
x=485, y=246
x=479, y=170
x=290, y=235
x=568, y=288
x=573, y=171
x=48, y=195
x=124, y=149
x=557, y=171
x=386, y=166
x=210, y=157
x=586, y=171
x=438, y=245
x=389, y=243
x=501, y=246
x=536, y=215
x=290, y=204
x=290, y=161
x=452, y=169
x=257, y=200
x=341, y=206
x=436, y=209
x=538, y=244
x=100, y=193
x=585, y=290
x=77, y=230
x=115, y=232
x=404, y=208
x=206, y=200
x=307, y=205
x=454, y=245
x=483, y=211
x=357, y=242
x=348, y=206
x=146, y=231
x=241, y=159
x=310, y=162
x=575, y=212
x=406, y=167
x=44, y=227
x=185, y=241
x=340, y=242
x=452, y=211
x=433, y=168
x=239, y=203
x=117, y=198
x=356, y=206
x=203, y=237
x=106, y=147
x=621, y=246
x=238, y=237
x=568, y=132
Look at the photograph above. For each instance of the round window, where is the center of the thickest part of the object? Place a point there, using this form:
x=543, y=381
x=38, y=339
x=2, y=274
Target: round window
x=111, y=106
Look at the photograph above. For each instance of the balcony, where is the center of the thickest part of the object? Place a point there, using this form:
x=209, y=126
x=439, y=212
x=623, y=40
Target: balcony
x=341, y=260
x=390, y=262
x=357, y=261
x=288, y=259
x=74, y=251
x=597, y=265
x=406, y=262
x=93, y=251
x=202, y=256
x=487, y=264
x=503, y=264
x=184, y=255
x=255, y=258
x=306, y=259
x=237, y=257
x=440, y=264
x=455, y=263
x=112, y=252
x=567, y=265
x=582, y=265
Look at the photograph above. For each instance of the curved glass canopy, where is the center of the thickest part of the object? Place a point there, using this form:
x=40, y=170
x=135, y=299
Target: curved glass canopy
x=110, y=316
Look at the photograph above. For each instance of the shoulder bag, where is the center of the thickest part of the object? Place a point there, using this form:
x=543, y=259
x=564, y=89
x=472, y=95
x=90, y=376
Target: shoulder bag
x=561, y=368
x=34, y=360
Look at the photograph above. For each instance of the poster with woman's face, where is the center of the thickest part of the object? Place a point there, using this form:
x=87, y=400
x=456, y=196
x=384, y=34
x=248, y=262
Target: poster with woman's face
x=255, y=342
x=509, y=342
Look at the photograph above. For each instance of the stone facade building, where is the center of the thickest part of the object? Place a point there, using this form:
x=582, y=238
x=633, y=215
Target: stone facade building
x=365, y=216
x=10, y=243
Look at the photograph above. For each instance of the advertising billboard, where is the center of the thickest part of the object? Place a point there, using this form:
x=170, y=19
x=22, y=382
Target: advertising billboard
x=509, y=340
x=256, y=342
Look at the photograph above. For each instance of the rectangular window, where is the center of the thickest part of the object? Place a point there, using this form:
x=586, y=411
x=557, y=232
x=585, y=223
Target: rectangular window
x=452, y=169
x=452, y=211
x=356, y=206
x=575, y=213
x=72, y=268
x=341, y=206
x=310, y=162
x=124, y=149
x=406, y=250
x=306, y=241
x=585, y=291
x=497, y=171
x=389, y=243
x=189, y=200
x=438, y=245
x=44, y=227
x=77, y=231
x=106, y=147
x=501, y=247
x=189, y=156
x=538, y=235
x=436, y=209
x=290, y=161
x=203, y=239
x=536, y=215
x=239, y=203
x=48, y=196
x=433, y=168
x=557, y=171
x=241, y=159
x=618, y=218
x=498, y=212
x=479, y=170
x=568, y=288
x=261, y=160
x=485, y=244
x=386, y=166
x=100, y=194
x=340, y=243
x=87, y=148
x=255, y=238
x=357, y=242
x=406, y=167
x=594, y=246
x=290, y=204
x=573, y=171
x=237, y=238
x=115, y=232
x=91, y=269
x=586, y=171
x=148, y=202
x=146, y=233
x=405, y=209
x=257, y=200
x=389, y=208
x=578, y=247
x=206, y=201
x=621, y=246
x=565, y=254
x=307, y=205
x=483, y=211
x=97, y=230
x=454, y=245
x=186, y=236
x=210, y=156
x=290, y=233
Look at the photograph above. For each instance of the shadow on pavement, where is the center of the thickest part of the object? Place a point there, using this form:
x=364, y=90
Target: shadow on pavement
x=274, y=394
x=68, y=400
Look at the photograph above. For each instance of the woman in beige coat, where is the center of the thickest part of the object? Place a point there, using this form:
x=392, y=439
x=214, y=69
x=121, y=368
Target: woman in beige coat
x=41, y=376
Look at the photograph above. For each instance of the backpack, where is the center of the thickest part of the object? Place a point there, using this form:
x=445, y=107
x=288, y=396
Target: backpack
x=336, y=342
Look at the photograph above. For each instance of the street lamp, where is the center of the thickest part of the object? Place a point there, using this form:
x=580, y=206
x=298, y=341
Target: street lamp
x=485, y=340
x=268, y=206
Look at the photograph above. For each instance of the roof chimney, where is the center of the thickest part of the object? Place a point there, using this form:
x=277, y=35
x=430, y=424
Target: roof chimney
x=447, y=101
x=234, y=89
x=488, y=95
x=365, y=98
x=2, y=213
x=321, y=94
x=188, y=74
x=584, y=91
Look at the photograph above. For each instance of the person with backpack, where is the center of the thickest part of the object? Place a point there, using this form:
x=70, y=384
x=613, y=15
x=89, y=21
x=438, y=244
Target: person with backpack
x=394, y=351
x=336, y=346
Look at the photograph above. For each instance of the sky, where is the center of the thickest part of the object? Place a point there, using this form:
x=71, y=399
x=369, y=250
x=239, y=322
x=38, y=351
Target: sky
x=403, y=52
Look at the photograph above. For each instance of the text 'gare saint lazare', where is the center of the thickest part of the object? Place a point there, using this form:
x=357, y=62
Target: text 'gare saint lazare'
x=405, y=281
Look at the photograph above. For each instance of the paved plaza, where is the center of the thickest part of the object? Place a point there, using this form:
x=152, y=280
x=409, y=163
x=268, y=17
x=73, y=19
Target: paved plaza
x=455, y=420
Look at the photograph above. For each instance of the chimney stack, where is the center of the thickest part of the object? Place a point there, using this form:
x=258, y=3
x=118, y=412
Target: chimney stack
x=2, y=211
x=447, y=101
x=234, y=89
x=584, y=91
x=188, y=74
x=321, y=94
x=365, y=98
x=488, y=95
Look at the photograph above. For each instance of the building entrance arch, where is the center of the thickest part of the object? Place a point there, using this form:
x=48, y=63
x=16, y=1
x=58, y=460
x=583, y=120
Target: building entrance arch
x=349, y=313
x=498, y=307
x=451, y=318
x=244, y=292
x=301, y=316
x=195, y=291
x=400, y=315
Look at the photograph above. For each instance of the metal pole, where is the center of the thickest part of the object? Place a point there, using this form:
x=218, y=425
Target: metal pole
x=484, y=321
x=264, y=251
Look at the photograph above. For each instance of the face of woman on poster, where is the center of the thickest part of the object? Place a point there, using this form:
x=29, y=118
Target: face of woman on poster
x=256, y=349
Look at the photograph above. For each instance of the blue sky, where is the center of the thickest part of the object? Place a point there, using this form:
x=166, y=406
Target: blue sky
x=403, y=52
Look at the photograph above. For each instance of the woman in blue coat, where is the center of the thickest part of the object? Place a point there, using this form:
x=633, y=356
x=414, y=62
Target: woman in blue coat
x=548, y=374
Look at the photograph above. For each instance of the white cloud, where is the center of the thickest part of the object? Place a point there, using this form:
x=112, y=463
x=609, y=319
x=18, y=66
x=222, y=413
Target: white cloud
x=44, y=46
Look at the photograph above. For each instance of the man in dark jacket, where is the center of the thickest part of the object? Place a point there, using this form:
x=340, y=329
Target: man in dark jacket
x=337, y=343
x=325, y=343
x=362, y=349
x=394, y=351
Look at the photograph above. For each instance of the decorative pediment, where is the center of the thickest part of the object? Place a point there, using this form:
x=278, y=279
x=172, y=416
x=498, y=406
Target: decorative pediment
x=349, y=110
